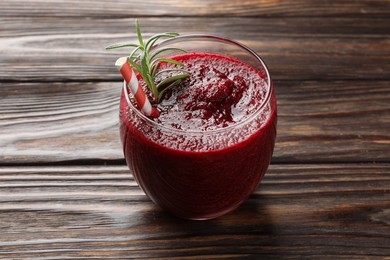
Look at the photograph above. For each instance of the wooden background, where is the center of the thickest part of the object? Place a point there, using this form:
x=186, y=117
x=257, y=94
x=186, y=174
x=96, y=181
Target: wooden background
x=65, y=192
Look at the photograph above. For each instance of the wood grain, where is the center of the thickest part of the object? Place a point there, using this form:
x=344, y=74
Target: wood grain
x=55, y=120
x=65, y=192
x=295, y=49
x=299, y=211
x=318, y=121
x=264, y=8
x=307, y=27
x=333, y=121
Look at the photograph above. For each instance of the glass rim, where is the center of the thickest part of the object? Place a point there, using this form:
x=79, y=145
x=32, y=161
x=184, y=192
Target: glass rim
x=221, y=129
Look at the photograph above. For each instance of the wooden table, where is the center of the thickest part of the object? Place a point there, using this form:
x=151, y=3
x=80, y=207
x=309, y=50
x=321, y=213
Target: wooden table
x=66, y=193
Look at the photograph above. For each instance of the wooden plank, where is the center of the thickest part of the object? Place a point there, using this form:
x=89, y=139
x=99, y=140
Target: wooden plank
x=326, y=121
x=55, y=120
x=223, y=8
x=122, y=28
x=299, y=212
x=333, y=121
x=73, y=50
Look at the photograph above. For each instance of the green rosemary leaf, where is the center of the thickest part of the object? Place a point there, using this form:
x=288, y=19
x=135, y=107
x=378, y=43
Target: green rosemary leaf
x=164, y=50
x=173, y=84
x=153, y=87
x=154, y=69
x=136, y=49
x=167, y=60
x=139, y=35
x=168, y=70
x=134, y=65
x=149, y=44
x=147, y=64
x=121, y=45
x=144, y=66
x=171, y=79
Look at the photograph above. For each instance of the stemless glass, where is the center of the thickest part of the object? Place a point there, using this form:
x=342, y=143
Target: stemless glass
x=201, y=183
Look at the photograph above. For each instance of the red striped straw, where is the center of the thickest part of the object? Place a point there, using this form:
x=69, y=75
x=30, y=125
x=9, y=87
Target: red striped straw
x=135, y=88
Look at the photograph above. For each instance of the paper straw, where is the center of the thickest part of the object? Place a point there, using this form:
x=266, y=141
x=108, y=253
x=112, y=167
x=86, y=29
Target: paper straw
x=135, y=88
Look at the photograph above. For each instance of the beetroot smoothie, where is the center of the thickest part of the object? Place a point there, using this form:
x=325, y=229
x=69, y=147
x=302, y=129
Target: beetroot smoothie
x=212, y=143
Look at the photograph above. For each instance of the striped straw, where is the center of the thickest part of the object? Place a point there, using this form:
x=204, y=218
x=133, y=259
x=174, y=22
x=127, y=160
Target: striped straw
x=135, y=88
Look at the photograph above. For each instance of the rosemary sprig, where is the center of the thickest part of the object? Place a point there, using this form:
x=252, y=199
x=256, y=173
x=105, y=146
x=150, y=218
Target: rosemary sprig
x=147, y=63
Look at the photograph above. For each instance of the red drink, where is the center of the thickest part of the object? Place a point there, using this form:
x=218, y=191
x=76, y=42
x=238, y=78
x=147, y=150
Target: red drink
x=213, y=141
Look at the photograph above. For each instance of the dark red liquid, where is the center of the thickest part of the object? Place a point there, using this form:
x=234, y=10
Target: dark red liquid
x=212, y=143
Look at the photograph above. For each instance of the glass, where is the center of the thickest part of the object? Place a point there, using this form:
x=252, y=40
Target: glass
x=201, y=183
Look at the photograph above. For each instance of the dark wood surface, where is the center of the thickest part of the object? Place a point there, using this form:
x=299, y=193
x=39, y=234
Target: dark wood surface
x=66, y=193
